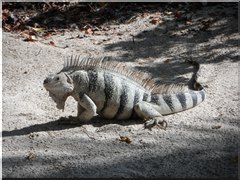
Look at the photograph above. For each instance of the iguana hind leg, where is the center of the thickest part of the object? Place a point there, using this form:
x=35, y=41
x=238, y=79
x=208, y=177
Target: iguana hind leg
x=147, y=111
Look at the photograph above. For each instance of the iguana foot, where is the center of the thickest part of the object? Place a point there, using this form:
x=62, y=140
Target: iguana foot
x=162, y=124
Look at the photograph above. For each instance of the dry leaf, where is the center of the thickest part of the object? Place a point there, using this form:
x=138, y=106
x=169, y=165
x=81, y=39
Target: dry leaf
x=97, y=42
x=154, y=21
x=125, y=139
x=51, y=43
x=105, y=28
x=97, y=33
x=38, y=29
x=168, y=12
x=216, y=127
x=8, y=27
x=166, y=61
x=31, y=156
x=119, y=34
x=189, y=21
x=145, y=14
x=45, y=35
x=31, y=38
x=5, y=14
x=88, y=31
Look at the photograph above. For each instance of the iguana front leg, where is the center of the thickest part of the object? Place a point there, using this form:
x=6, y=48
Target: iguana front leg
x=86, y=110
x=147, y=111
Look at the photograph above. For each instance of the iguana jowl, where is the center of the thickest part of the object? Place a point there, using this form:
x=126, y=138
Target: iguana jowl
x=109, y=89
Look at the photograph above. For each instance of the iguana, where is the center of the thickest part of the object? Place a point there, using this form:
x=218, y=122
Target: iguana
x=111, y=90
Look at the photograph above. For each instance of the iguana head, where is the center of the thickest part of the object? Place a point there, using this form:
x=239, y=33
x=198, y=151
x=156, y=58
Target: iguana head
x=60, y=86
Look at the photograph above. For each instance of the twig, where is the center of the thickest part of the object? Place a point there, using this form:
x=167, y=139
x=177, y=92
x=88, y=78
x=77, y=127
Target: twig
x=84, y=130
x=38, y=52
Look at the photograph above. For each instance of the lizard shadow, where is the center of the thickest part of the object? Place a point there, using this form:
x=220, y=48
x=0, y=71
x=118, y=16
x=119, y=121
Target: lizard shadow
x=62, y=124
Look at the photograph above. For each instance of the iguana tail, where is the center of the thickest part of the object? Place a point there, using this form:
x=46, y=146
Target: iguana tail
x=193, y=83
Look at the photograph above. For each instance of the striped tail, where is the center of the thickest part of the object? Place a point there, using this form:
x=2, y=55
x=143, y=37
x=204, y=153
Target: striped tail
x=193, y=83
x=182, y=100
x=177, y=102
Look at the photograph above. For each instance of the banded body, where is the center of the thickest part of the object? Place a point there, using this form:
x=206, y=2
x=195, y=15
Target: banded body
x=108, y=89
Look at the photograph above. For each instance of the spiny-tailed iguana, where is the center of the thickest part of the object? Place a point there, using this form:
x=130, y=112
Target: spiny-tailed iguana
x=113, y=91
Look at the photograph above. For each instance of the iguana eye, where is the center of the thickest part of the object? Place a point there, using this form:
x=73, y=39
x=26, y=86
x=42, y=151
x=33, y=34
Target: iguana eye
x=57, y=78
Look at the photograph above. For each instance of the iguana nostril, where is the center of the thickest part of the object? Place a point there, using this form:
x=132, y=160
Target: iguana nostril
x=45, y=81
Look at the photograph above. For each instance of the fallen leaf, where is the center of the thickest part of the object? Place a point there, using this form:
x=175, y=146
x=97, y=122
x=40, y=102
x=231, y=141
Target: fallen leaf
x=45, y=35
x=97, y=33
x=125, y=139
x=189, y=21
x=88, y=31
x=8, y=27
x=216, y=127
x=166, y=61
x=5, y=14
x=105, y=28
x=51, y=43
x=119, y=34
x=17, y=26
x=97, y=42
x=38, y=29
x=168, y=12
x=31, y=156
x=154, y=21
x=31, y=38
x=145, y=14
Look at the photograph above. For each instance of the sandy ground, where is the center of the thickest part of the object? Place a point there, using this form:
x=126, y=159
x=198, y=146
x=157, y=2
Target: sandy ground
x=200, y=142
